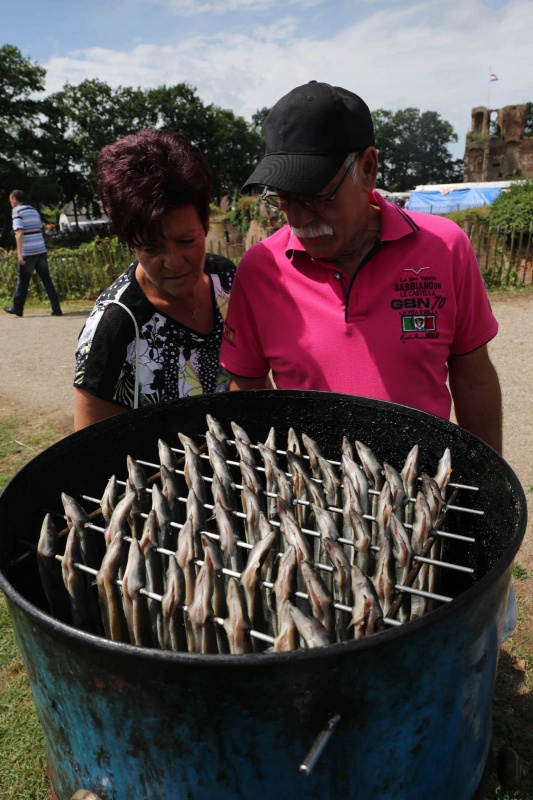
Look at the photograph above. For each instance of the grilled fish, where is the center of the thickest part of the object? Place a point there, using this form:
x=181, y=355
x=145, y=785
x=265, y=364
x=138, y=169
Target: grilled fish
x=199, y=622
x=237, y=625
x=171, y=632
x=167, y=457
x=50, y=570
x=109, y=499
x=109, y=594
x=135, y=603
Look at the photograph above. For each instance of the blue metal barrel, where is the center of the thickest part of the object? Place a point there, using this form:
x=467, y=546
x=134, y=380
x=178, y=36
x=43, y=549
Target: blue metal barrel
x=414, y=701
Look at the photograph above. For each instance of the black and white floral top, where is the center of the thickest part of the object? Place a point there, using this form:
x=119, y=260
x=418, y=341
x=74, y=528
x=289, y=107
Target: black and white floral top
x=173, y=360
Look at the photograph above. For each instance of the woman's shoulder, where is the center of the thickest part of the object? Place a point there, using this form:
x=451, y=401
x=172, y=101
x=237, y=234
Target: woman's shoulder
x=222, y=267
x=123, y=293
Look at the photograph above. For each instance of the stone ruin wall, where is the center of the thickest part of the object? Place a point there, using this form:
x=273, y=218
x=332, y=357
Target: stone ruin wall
x=503, y=157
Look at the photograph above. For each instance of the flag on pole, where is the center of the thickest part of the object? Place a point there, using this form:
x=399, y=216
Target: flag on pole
x=493, y=77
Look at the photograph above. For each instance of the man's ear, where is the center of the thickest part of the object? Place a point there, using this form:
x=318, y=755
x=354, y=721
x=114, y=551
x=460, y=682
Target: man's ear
x=368, y=164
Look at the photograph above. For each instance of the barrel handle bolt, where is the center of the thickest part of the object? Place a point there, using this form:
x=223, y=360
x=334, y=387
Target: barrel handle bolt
x=319, y=744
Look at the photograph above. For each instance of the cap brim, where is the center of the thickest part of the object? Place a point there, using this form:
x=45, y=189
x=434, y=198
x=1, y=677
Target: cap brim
x=296, y=173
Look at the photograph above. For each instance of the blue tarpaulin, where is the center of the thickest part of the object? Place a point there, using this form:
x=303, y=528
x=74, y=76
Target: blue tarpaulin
x=439, y=202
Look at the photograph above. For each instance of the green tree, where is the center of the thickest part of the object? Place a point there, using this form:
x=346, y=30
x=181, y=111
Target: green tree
x=231, y=145
x=513, y=208
x=20, y=79
x=258, y=119
x=232, y=149
x=413, y=149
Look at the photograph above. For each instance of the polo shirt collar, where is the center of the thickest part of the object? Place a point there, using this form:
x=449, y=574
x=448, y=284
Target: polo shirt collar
x=395, y=224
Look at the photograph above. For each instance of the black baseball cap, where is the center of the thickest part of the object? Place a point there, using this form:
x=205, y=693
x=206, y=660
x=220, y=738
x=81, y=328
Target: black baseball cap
x=309, y=133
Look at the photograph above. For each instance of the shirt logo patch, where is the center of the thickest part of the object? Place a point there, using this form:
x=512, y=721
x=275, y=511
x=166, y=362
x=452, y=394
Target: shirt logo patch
x=418, y=323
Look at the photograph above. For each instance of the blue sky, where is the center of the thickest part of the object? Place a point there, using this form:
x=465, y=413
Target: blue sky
x=243, y=54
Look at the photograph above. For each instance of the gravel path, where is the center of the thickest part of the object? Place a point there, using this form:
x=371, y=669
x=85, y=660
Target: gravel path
x=37, y=362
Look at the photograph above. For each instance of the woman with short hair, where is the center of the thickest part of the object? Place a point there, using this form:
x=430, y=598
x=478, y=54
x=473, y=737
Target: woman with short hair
x=155, y=333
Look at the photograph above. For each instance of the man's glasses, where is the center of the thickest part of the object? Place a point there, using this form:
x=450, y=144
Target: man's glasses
x=311, y=202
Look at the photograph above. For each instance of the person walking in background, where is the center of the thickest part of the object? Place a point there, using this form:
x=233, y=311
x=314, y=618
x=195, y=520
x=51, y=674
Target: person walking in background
x=31, y=254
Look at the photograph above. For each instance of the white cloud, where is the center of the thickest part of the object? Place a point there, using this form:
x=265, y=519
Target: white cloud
x=426, y=54
x=190, y=7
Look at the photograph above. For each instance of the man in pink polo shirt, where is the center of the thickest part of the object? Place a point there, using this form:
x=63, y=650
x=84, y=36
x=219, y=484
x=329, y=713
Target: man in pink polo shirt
x=356, y=295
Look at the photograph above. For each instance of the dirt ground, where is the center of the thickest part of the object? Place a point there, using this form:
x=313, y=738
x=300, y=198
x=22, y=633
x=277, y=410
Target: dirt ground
x=37, y=363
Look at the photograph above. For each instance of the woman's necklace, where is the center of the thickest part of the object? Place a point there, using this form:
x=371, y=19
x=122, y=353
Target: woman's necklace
x=194, y=313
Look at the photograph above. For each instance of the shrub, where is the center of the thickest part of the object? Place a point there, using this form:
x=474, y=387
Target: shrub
x=513, y=208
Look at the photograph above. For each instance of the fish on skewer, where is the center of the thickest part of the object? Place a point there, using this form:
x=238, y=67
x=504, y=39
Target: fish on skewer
x=422, y=525
x=347, y=448
x=367, y=615
x=219, y=493
x=77, y=584
x=185, y=556
x=149, y=542
x=342, y=587
x=188, y=444
x=199, y=623
x=135, y=603
x=358, y=531
x=320, y=598
x=50, y=570
x=170, y=488
x=444, y=471
x=288, y=638
x=171, y=632
x=217, y=431
x=240, y=433
x=299, y=475
x=167, y=456
x=371, y=465
x=220, y=467
x=213, y=556
x=384, y=509
x=250, y=582
x=110, y=498
x=312, y=632
x=229, y=539
x=384, y=577
x=244, y=451
x=331, y=481
x=270, y=460
x=292, y=532
x=359, y=481
x=270, y=441
x=409, y=476
x=293, y=443
x=252, y=509
x=285, y=583
x=119, y=522
x=77, y=517
x=394, y=479
x=236, y=624
x=109, y=594
x=402, y=553
x=164, y=518
x=314, y=452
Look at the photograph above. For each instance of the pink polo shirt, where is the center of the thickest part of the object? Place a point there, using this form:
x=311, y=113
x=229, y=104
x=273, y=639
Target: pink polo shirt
x=387, y=335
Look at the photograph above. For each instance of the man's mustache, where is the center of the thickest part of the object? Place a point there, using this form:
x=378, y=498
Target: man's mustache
x=313, y=230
